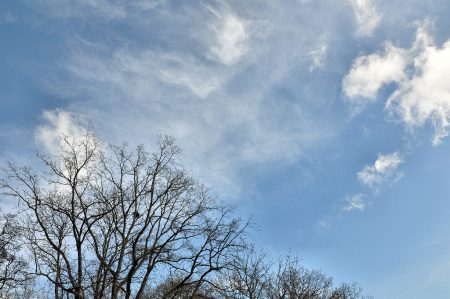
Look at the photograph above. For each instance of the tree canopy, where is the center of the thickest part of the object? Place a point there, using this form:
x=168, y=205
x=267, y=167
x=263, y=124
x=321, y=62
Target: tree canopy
x=109, y=222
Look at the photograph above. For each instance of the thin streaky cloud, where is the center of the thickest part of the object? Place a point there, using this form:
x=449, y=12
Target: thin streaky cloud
x=355, y=202
x=318, y=57
x=196, y=93
x=367, y=17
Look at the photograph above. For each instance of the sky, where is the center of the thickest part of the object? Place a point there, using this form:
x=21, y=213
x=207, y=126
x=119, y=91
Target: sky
x=327, y=120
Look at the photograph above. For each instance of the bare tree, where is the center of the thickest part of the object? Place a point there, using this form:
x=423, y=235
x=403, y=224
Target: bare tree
x=251, y=276
x=106, y=222
x=56, y=228
x=165, y=289
x=292, y=280
x=13, y=267
x=348, y=291
x=248, y=277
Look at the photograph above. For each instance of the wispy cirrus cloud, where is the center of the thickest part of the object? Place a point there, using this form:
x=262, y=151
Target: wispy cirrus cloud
x=355, y=202
x=367, y=17
x=232, y=37
x=103, y=10
x=209, y=81
x=318, y=56
x=84, y=8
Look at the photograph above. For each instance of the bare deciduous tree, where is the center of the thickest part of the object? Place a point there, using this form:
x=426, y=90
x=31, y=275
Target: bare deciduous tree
x=293, y=281
x=348, y=291
x=13, y=271
x=106, y=222
x=165, y=289
x=248, y=277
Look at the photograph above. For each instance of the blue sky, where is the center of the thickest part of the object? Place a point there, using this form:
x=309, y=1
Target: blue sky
x=327, y=120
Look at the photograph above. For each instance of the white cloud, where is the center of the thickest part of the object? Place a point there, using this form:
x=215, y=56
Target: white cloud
x=58, y=123
x=425, y=97
x=355, y=202
x=383, y=170
x=369, y=73
x=366, y=15
x=422, y=95
x=231, y=39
